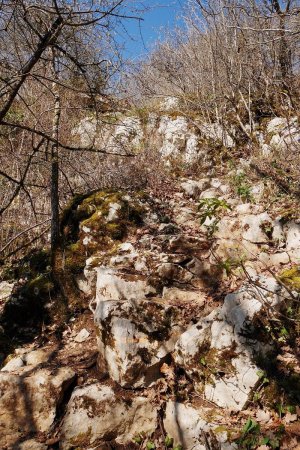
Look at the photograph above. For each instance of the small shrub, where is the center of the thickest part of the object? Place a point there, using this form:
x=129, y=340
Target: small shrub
x=242, y=187
x=211, y=208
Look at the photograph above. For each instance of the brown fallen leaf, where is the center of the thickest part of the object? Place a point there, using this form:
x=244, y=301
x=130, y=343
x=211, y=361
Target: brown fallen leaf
x=288, y=418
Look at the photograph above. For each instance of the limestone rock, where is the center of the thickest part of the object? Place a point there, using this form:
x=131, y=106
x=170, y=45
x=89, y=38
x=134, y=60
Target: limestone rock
x=248, y=208
x=277, y=125
x=188, y=425
x=82, y=336
x=5, y=290
x=194, y=188
x=274, y=259
x=86, y=131
x=174, y=272
x=87, y=281
x=253, y=226
x=31, y=444
x=96, y=414
x=240, y=307
x=170, y=103
x=292, y=231
x=134, y=338
x=28, y=403
x=217, y=134
x=181, y=295
x=13, y=364
x=217, y=354
x=113, y=212
x=185, y=215
x=278, y=233
x=31, y=359
x=127, y=133
x=185, y=425
x=178, y=140
x=285, y=133
x=192, y=154
x=210, y=193
x=234, y=390
x=114, y=285
x=257, y=191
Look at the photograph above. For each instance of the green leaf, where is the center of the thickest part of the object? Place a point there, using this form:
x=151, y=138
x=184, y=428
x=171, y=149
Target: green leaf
x=250, y=426
x=168, y=441
x=137, y=439
x=150, y=446
x=260, y=373
x=284, y=332
x=203, y=361
x=291, y=409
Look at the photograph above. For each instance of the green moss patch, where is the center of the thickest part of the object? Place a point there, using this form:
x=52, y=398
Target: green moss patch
x=291, y=278
x=88, y=228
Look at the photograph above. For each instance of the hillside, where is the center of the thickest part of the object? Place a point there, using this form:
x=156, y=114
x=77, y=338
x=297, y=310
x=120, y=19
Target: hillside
x=178, y=326
x=149, y=225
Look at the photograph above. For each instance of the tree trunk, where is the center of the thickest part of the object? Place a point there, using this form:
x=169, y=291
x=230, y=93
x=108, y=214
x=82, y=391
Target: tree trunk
x=55, y=235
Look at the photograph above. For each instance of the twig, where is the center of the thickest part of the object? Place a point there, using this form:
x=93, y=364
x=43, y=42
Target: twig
x=21, y=233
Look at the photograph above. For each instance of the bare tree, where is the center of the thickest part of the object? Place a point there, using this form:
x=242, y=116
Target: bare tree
x=235, y=62
x=57, y=58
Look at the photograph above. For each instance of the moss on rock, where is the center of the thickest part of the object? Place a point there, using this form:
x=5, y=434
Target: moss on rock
x=291, y=278
x=98, y=222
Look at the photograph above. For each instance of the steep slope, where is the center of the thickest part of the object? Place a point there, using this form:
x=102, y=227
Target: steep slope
x=191, y=337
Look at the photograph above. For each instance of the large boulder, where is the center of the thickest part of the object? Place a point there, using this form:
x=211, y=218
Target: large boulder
x=29, y=401
x=96, y=414
x=135, y=338
x=178, y=139
x=118, y=133
x=219, y=351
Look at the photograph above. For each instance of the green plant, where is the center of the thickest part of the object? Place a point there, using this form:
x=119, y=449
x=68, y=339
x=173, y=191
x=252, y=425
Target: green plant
x=291, y=278
x=229, y=264
x=273, y=443
x=242, y=187
x=211, y=208
x=249, y=438
x=203, y=361
x=137, y=439
x=283, y=334
x=169, y=441
x=263, y=377
x=150, y=446
x=257, y=396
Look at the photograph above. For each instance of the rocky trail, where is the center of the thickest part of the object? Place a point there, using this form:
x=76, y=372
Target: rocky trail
x=182, y=339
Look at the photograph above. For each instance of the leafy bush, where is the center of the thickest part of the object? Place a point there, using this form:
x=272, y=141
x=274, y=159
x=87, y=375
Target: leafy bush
x=211, y=208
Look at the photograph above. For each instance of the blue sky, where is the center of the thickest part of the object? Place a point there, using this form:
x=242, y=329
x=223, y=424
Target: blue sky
x=140, y=36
